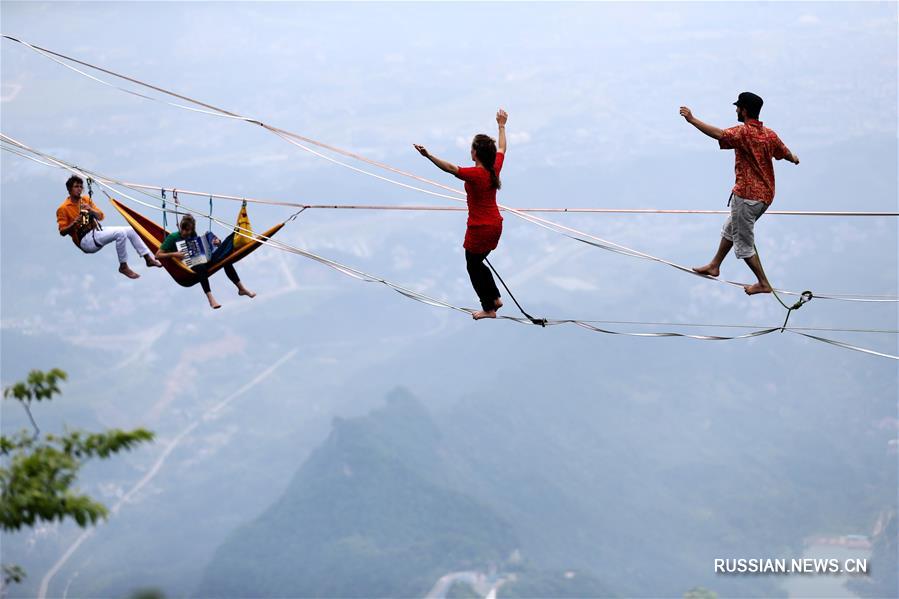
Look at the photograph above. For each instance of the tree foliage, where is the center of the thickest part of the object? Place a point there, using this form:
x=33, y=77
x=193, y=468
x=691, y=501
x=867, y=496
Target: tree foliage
x=38, y=472
x=39, y=385
x=12, y=573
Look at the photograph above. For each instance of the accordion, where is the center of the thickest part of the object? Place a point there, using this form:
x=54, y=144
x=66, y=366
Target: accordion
x=197, y=250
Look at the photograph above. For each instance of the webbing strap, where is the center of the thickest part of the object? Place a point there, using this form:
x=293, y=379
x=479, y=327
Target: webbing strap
x=804, y=297
x=540, y=321
x=165, y=213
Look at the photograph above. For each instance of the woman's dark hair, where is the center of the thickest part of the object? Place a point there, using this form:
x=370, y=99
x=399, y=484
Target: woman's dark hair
x=72, y=181
x=485, y=149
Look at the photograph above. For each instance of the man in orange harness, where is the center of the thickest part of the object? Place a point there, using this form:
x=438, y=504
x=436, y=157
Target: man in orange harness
x=79, y=218
x=754, y=148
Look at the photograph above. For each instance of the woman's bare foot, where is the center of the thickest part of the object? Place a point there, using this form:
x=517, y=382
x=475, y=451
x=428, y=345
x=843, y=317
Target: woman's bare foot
x=244, y=291
x=123, y=268
x=151, y=261
x=484, y=314
x=709, y=269
x=497, y=303
x=212, y=302
x=757, y=288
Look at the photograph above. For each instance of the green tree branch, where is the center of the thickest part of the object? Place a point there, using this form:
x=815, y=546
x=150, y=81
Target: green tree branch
x=37, y=474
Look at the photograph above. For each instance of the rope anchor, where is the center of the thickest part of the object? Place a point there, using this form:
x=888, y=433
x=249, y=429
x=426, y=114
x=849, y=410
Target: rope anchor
x=292, y=216
x=804, y=298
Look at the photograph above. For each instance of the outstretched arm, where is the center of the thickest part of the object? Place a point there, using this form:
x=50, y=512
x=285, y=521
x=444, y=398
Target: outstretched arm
x=792, y=157
x=710, y=130
x=501, y=117
x=443, y=165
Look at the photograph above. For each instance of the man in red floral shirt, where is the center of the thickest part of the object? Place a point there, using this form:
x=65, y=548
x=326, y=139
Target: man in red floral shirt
x=754, y=148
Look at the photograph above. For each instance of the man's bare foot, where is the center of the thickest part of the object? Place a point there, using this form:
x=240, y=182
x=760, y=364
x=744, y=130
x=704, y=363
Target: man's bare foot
x=151, y=261
x=497, y=303
x=246, y=292
x=123, y=268
x=757, y=288
x=484, y=314
x=709, y=269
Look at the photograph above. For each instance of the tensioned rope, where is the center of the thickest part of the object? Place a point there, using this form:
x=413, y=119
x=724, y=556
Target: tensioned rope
x=305, y=206
x=427, y=208
x=141, y=188
x=295, y=139
x=107, y=183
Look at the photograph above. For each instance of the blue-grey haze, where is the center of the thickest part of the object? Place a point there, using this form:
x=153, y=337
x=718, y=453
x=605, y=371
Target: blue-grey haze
x=592, y=90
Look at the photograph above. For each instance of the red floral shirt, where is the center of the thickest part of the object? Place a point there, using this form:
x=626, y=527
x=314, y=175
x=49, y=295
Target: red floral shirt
x=754, y=147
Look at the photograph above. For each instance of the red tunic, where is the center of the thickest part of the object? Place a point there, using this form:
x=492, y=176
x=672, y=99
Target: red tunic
x=485, y=225
x=754, y=147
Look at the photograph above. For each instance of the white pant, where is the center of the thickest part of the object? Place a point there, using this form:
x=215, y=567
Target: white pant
x=95, y=240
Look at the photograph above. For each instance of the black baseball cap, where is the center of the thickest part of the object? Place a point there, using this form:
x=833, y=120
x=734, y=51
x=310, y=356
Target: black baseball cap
x=749, y=101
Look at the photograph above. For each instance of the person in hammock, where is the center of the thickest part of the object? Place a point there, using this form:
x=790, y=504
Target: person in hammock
x=485, y=225
x=78, y=217
x=187, y=229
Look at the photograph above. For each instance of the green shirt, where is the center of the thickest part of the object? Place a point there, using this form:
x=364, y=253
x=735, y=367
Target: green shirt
x=168, y=244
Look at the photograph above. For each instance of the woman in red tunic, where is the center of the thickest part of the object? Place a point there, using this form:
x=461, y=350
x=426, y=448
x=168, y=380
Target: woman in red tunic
x=485, y=225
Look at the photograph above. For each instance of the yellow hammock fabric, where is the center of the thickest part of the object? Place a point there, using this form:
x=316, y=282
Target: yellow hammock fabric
x=243, y=224
x=153, y=235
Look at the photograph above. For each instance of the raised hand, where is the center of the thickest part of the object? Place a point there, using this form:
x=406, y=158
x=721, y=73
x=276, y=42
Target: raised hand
x=421, y=150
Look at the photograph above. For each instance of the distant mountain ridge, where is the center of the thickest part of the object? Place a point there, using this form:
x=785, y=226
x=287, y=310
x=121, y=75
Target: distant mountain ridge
x=364, y=516
x=537, y=492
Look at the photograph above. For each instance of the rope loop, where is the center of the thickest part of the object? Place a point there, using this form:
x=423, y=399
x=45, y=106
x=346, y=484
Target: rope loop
x=804, y=298
x=296, y=214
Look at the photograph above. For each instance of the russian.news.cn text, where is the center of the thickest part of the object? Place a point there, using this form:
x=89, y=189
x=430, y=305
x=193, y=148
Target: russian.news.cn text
x=790, y=566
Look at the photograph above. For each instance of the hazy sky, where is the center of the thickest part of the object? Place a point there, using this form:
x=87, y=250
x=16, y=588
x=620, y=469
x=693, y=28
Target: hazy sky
x=592, y=90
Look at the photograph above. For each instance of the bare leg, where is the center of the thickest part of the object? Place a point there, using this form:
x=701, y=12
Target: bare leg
x=212, y=303
x=713, y=268
x=234, y=278
x=123, y=268
x=498, y=303
x=484, y=314
x=763, y=286
x=241, y=290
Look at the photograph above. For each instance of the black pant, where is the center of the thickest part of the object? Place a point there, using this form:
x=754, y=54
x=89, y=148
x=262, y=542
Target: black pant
x=229, y=270
x=482, y=280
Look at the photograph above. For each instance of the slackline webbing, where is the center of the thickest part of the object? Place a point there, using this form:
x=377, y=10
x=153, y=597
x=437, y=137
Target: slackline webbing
x=107, y=183
x=295, y=139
